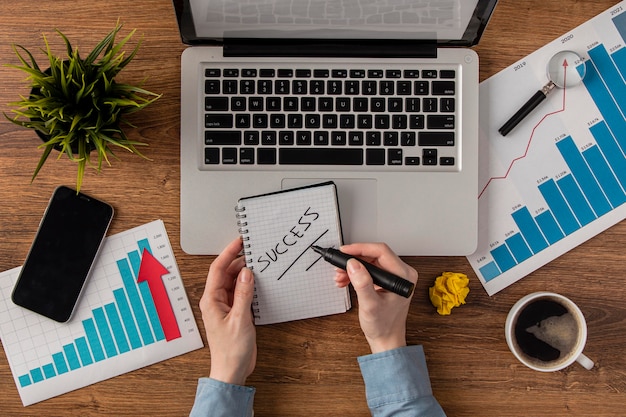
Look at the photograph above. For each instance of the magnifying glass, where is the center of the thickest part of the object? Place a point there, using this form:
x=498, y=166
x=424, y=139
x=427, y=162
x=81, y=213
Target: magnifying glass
x=562, y=73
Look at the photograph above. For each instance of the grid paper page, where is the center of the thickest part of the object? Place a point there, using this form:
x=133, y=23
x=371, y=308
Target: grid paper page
x=115, y=329
x=292, y=282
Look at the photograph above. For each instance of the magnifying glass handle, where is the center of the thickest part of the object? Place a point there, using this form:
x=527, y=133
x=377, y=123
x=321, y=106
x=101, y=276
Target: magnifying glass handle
x=529, y=106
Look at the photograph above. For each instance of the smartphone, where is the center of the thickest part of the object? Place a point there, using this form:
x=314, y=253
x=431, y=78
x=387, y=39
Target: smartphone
x=65, y=247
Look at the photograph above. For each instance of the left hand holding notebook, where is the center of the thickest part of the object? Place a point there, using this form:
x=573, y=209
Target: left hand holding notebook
x=382, y=314
x=227, y=315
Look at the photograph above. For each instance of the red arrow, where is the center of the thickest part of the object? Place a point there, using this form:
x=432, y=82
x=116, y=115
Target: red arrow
x=152, y=271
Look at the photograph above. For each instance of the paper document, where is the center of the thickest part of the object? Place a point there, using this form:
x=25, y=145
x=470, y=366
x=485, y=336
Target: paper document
x=559, y=178
x=119, y=325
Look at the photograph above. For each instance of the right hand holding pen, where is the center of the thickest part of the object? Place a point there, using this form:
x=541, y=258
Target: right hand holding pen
x=382, y=314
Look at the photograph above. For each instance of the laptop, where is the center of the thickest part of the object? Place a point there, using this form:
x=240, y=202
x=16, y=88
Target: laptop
x=378, y=96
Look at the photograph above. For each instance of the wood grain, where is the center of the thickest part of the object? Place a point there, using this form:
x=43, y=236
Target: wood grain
x=307, y=367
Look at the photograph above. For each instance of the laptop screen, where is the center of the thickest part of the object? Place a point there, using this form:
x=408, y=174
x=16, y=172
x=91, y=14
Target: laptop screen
x=449, y=22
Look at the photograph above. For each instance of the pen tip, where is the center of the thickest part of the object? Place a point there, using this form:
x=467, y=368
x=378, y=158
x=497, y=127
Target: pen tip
x=317, y=249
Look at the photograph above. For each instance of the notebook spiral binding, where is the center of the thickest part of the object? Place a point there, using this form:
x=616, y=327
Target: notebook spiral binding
x=240, y=215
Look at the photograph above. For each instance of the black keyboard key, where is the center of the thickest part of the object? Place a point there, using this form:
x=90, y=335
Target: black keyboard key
x=321, y=73
x=447, y=105
x=229, y=156
x=447, y=74
x=421, y=88
x=285, y=73
x=444, y=88
x=211, y=156
x=231, y=72
x=435, y=139
x=211, y=87
x=446, y=160
x=429, y=74
x=246, y=156
x=412, y=160
x=321, y=156
x=212, y=72
x=320, y=138
x=375, y=74
x=266, y=156
x=375, y=157
x=216, y=103
x=267, y=73
x=437, y=121
x=303, y=73
x=356, y=73
x=222, y=137
x=217, y=121
x=394, y=157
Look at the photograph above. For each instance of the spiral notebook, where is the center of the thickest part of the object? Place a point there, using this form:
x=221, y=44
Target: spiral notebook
x=292, y=282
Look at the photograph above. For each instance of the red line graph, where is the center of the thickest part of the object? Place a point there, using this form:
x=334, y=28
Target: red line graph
x=532, y=134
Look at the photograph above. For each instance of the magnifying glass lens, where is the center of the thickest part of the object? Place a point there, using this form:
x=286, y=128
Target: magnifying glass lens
x=562, y=69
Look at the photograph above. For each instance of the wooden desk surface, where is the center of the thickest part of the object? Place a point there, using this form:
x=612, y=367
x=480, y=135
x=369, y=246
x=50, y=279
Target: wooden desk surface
x=307, y=367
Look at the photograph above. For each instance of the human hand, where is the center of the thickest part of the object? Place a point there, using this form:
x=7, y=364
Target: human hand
x=227, y=315
x=382, y=314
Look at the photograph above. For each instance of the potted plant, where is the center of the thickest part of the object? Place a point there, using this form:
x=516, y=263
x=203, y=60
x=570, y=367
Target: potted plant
x=76, y=106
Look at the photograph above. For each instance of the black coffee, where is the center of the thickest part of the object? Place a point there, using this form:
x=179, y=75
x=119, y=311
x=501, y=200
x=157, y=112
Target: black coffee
x=546, y=331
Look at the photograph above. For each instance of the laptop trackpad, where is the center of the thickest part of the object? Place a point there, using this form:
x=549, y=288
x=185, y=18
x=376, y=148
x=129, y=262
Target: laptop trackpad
x=358, y=205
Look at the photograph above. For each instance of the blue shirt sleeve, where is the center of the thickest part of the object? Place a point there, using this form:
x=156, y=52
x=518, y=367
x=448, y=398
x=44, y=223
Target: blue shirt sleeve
x=397, y=383
x=219, y=399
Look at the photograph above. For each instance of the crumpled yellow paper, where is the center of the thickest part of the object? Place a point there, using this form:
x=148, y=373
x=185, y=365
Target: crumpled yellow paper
x=449, y=290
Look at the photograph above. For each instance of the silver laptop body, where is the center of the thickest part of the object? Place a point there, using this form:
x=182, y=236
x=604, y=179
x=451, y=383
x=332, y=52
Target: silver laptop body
x=415, y=191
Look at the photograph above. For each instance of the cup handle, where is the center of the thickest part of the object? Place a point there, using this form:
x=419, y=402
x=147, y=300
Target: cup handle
x=585, y=361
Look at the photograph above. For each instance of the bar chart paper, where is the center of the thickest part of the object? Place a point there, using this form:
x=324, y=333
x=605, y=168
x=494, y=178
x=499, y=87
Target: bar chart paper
x=559, y=178
x=133, y=312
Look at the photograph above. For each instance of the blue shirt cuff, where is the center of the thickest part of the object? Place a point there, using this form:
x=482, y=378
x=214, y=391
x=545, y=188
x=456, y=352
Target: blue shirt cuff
x=398, y=379
x=216, y=399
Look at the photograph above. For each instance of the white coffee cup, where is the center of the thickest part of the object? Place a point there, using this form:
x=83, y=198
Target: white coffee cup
x=547, y=332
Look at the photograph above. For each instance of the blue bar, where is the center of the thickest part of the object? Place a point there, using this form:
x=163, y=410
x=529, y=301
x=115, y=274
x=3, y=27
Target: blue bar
x=144, y=244
x=83, y=351
x=503, y=257
x=148, y=301
x=48, y=371
x=24, y=380
x=518, y=247
x=583, y=176
x=611, y=150
x=610, y=75
x=72, y=356
x=489, y=271
x=127, y=318
x=549, y=227
x=619, y=57
x=94, y=340
x=59, y=363
x=135, y=301
x=135, y=262
x=116, y=326
x=37, y=375
x=105, y=332
x=576, y=200
x=620, y=23
x=529, y=230
x=559, y=207
x=605, y=177
x=603, y=99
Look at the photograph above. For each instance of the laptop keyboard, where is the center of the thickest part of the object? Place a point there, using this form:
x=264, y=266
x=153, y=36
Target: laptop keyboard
x=280, y=117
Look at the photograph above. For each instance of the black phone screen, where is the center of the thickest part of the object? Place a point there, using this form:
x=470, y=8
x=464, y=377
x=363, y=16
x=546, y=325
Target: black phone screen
x=61, y=256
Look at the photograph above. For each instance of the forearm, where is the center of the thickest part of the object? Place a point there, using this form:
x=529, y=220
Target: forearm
x=397, y=383
x=218, y=399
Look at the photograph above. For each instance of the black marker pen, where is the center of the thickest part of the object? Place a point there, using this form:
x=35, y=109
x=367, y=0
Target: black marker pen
x=383, y=279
